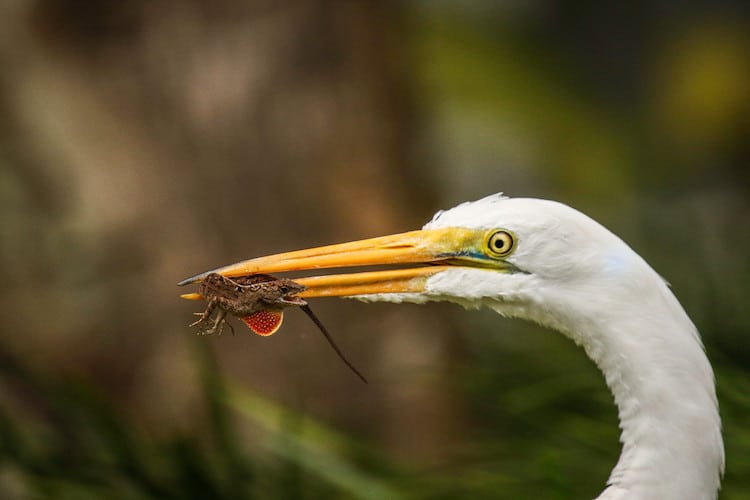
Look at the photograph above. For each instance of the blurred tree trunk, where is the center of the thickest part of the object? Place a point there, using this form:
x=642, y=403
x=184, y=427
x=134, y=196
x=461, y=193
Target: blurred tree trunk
x=159, y=139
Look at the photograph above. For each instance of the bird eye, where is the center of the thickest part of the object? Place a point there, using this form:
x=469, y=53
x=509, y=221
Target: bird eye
x=500, y=243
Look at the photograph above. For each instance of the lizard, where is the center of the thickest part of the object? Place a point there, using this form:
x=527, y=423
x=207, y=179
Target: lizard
x=258, y=300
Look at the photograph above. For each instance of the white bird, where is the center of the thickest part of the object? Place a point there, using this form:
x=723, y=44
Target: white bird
x=546, y=262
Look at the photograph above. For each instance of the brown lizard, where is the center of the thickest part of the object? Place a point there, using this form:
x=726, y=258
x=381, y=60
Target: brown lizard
x=245, y=297
x=258, y=300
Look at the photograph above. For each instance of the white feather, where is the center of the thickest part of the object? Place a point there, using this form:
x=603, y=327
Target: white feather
x=580, y=279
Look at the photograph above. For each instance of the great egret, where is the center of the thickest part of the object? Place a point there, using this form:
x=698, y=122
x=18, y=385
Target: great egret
x=546, y=262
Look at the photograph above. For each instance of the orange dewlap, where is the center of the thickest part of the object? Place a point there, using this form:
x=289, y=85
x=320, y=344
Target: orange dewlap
x=264, y=323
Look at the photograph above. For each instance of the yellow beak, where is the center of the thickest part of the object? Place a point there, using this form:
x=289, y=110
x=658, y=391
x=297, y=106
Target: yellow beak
x=431, y=250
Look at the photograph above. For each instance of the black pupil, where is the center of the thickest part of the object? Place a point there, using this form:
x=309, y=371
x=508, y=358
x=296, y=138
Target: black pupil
x=499, y=243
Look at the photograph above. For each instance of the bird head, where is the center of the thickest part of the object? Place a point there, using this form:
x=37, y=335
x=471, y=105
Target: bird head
x=497, y=251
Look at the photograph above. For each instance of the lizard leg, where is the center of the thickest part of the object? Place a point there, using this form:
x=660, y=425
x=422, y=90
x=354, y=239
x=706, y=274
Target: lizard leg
x=205, y=314
x=218, y=323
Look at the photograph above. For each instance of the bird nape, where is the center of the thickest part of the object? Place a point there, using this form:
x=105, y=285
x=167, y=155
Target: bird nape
x=546, y=262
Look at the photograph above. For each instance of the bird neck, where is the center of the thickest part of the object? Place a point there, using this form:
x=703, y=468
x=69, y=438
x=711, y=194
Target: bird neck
x=663, y=386
x=671, y=432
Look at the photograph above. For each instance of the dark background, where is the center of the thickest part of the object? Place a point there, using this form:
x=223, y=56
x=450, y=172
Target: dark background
x=144, y=141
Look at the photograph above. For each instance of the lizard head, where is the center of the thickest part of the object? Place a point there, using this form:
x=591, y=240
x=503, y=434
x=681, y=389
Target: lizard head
x=284, y=291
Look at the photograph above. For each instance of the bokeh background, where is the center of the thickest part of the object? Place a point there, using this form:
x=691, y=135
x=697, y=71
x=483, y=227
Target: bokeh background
x=145, y=141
